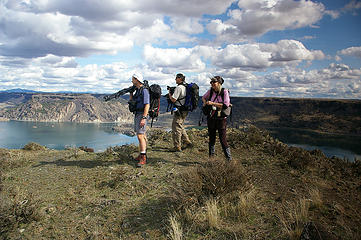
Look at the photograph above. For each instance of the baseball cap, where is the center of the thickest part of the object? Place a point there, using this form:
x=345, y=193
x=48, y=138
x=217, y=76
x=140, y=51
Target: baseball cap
x=138, y=76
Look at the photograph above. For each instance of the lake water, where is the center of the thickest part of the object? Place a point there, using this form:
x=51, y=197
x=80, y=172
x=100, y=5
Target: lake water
x=15, y=134
x=342, y=146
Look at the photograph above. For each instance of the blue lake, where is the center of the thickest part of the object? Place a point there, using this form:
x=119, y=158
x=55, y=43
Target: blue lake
x=16, y=134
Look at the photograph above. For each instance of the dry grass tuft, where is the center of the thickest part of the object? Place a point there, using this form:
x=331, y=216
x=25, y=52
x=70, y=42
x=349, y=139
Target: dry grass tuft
x=316, y=198
x=237, y=206
x=175, y=231
x=294, y=218
x=213, y=213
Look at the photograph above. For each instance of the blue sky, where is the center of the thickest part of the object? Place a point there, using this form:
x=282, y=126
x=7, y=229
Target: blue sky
x=273, y=48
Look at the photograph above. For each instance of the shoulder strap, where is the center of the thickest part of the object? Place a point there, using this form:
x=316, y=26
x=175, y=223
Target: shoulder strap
x=210, y=94
x=222, y=94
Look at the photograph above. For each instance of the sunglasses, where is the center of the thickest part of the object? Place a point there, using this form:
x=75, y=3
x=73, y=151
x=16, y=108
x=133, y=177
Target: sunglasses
x=211, y=82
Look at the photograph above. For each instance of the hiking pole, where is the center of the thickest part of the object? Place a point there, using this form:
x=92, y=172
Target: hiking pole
x=200, y=118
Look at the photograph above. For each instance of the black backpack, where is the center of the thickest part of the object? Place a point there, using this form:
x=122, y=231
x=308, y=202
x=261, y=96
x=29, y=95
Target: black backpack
x=155, y=93
x=192, y=97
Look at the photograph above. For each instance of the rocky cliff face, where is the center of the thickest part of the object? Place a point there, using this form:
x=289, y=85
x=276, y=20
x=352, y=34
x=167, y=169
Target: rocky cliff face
x=325, y=115
x=69, y=108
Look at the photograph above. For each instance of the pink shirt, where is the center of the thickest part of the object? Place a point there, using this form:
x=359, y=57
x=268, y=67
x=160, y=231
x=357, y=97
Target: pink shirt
x=218, y=99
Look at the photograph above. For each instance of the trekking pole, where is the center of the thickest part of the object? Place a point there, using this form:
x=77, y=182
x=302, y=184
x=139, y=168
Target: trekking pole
x=200, y=118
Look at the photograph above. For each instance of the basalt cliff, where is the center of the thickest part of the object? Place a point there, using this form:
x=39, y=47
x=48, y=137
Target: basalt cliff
x=65, y=108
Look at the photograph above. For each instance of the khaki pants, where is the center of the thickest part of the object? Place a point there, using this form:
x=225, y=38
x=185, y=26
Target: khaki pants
x=178, y=131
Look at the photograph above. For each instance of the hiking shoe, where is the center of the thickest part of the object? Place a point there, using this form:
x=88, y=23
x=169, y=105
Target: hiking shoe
x=188, y=145
x=137, y=158
x=176, y=149
x=142, y=160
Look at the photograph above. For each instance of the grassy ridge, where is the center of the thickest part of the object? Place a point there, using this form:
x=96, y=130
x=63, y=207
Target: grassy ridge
x=269, y=191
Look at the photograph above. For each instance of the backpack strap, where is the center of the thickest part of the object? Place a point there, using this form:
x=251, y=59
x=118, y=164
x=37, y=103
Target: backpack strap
x=178, y=100
x=140, y=96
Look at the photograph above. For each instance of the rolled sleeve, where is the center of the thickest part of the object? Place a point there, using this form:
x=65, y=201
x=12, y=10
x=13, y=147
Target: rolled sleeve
x=146, y=98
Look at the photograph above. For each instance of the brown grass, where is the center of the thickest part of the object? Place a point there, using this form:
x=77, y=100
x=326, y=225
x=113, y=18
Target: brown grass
x=316, y=198
x=215, y=178
x=72, y=194
x=294, y=217
x=175, y=231
x=17, y=209
x=212, y=213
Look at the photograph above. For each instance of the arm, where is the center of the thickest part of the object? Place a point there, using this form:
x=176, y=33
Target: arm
x=145, y=113
x=146, y=110
x=146, y=107
x=175, y=95
x=217, y=105
x=205, y=97
x=173, y=100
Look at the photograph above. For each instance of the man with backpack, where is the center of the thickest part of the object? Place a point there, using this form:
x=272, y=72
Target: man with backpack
x=179, y=114
x=139, y=103
x=217, y=107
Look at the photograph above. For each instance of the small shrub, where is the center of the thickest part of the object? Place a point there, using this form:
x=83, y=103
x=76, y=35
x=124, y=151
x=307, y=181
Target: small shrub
x=214, y=179
x=34, y=147
x=157, y=135
x=298, y=158
x=21, y=209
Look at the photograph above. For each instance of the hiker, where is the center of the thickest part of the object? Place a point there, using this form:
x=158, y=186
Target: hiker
x=179, y=134
x=140, y=102
x=216, y=100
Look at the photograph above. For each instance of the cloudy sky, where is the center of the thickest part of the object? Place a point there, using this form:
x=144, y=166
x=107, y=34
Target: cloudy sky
x=280, y=48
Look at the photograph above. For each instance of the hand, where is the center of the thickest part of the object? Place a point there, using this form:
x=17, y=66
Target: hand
x=142, y=123
x=209, y=103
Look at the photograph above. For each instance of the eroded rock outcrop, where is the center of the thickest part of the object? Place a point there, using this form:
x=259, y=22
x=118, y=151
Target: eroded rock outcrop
x=69, y=108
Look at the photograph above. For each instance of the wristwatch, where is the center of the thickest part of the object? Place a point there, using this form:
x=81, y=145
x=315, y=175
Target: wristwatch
x=144, y=117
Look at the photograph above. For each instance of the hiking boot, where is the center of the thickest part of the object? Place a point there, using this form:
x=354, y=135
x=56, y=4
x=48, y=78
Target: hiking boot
x=176, y=149
x=142, y=160
x=212, y=150
x=227, y=153
x=187, y=145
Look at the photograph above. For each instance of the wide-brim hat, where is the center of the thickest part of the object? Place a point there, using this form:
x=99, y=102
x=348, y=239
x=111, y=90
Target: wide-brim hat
x=217, y=79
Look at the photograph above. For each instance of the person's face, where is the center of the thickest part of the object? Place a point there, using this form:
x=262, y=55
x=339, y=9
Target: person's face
x=178, y=80
x=134, y=80
x=214, y=85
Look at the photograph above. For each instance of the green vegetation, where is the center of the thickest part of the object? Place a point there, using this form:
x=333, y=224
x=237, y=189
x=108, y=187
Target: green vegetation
x=269, y=191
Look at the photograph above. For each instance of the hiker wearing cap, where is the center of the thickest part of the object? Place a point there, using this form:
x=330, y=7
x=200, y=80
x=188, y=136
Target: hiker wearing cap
x=217, y=100
x=141, y=107
x=179, y=133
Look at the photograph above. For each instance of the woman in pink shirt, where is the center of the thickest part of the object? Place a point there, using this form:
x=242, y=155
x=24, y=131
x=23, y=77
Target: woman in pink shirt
x=217, y=98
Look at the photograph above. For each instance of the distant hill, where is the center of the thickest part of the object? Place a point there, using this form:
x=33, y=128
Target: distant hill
x=68, y=108
x=323, y=115
x=19, y=90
